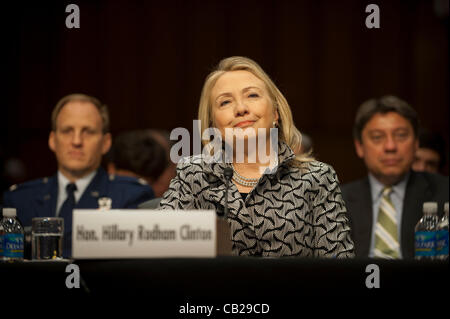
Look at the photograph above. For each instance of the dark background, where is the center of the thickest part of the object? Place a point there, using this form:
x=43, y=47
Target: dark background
x=147, y=61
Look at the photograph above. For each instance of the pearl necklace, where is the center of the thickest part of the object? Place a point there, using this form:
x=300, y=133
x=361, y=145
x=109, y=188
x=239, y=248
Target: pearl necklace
x=244, y=181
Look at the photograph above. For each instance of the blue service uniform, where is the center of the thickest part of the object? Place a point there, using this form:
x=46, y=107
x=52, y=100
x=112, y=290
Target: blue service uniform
x=38, y=198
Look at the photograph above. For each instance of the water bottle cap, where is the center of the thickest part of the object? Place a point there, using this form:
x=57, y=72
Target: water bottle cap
x=9, y=212
x=430, y=207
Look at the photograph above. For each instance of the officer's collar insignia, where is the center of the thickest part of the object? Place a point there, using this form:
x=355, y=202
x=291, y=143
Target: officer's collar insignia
x=95, y=194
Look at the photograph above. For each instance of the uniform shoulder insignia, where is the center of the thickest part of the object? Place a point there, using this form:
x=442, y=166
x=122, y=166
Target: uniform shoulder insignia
x=127, y=180
x=36, y=183
x=142, y=181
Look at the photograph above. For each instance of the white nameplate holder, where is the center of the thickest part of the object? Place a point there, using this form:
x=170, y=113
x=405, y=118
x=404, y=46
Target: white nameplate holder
x=142, y=233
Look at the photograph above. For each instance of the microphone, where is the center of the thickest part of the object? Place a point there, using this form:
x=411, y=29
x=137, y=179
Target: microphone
x=224, y=244
x=228, y=173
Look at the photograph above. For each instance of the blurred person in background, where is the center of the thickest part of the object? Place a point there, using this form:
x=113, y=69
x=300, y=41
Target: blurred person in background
x=143, y=154
x=430, y=155
x=385, y=206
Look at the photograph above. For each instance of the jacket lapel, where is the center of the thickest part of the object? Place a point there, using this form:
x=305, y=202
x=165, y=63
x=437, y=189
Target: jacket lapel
x=216, y=192
x=89, y=199
x=97, y=188
x=362, y=217
x=418, y=191
x=366, y=207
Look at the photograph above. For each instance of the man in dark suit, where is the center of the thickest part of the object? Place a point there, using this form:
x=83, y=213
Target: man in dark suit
x=79, y=138
x=385, y=206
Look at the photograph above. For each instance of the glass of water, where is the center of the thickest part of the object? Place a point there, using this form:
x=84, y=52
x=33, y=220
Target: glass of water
x=47, y=238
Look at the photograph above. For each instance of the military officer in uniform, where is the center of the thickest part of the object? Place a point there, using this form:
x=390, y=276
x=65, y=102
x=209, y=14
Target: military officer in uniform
x=79, y=138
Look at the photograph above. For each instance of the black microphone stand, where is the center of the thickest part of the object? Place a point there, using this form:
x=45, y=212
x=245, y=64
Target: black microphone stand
x=228, y=173
x=223, y=244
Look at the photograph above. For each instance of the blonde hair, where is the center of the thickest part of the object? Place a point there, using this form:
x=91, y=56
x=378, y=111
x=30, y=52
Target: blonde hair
x=287, y=132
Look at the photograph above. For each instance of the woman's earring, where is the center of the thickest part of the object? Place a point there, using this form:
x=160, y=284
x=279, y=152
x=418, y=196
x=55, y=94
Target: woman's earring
x=274, y=124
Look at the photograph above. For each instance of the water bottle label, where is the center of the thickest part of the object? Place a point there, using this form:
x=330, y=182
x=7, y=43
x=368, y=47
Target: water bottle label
x=442, y=242
x=425, y=242
x=1, y=246
x=13, y=245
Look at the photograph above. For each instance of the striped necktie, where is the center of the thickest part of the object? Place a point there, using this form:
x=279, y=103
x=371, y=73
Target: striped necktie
x=386, y=230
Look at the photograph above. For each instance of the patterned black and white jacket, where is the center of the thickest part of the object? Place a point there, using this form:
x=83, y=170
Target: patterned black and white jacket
x=291, y=212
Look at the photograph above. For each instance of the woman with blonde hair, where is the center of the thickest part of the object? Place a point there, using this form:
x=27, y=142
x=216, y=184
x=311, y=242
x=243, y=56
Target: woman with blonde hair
x=295, y=207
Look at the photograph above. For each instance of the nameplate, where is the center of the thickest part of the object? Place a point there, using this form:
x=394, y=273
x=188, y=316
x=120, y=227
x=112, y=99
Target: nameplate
x=140, y=233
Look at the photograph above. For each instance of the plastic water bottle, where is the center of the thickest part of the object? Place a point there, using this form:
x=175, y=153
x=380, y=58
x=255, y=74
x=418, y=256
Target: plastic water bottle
x=425, y=232
x=442, y=236
x=13, y=236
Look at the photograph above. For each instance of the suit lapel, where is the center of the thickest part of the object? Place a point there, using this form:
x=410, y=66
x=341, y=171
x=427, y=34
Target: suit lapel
x=418, y=191
x=363, y=218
